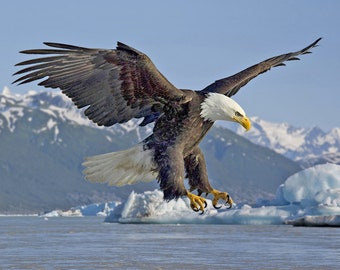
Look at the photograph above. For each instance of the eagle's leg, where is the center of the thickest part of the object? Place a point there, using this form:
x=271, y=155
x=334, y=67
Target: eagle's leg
x=219, y=195
x=197, y=203
x=171, y=176
x=198, y=178
x=196, y=172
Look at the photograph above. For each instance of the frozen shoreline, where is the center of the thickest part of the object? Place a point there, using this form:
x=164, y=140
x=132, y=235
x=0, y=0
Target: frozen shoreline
x=308, y=198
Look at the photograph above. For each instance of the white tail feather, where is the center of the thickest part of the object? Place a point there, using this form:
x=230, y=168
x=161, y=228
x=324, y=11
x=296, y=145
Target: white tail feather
x=121, y=168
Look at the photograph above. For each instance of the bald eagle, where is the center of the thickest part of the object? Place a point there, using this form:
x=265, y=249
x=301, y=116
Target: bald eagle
x=120, y=84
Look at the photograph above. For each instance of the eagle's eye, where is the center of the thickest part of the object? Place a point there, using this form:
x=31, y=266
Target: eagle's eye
x=238, y=114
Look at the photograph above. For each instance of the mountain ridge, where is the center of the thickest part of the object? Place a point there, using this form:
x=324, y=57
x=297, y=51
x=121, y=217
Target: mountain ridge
x=307, y=146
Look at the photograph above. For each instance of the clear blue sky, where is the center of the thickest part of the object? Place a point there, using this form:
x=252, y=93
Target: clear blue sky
x=195, y=42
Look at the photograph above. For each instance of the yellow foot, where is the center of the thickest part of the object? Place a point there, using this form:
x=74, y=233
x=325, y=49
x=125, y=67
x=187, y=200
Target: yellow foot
x=218, y=195
x=197, y=203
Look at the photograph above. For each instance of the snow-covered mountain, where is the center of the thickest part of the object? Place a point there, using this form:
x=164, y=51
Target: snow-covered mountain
x=308, y=146
x=58, y=106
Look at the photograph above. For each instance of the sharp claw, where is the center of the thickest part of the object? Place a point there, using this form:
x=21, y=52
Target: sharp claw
x=217, y=207
x=205, y=204
x=194, y=208
x=229, y=202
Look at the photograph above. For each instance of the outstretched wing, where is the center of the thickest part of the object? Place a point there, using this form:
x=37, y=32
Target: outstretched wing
x=229, y=86
x=115, y=85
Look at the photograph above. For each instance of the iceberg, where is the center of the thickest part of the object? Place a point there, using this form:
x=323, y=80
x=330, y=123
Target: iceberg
x=95, y=209
x=314, y=186
x=316, y=221
x=61, y=213
x=310, y=197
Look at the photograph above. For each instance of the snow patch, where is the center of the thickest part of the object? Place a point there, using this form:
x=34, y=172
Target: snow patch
x=6, y=92
x=51, y=124
x=149, y=207
x=12, y=115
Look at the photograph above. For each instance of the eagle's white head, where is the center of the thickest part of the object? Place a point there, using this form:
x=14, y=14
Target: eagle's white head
x=220, y=107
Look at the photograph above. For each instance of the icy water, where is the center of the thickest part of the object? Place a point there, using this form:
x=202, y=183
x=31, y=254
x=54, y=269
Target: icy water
x=89, y=243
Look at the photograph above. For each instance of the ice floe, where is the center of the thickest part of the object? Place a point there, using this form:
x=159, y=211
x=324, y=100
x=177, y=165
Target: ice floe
x=310, y=196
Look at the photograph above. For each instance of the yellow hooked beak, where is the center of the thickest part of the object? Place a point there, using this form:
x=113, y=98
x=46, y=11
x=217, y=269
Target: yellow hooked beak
x=243, y=121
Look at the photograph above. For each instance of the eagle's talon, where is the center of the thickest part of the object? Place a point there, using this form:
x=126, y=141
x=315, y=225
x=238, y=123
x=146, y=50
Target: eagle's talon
x=197, y=203
x=218, y=195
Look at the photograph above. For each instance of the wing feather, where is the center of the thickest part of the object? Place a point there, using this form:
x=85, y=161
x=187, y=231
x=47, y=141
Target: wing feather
x=231, y=85
x=115, y=85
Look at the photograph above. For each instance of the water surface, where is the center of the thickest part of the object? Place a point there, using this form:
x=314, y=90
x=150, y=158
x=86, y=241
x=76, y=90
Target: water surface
x=89, y=243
